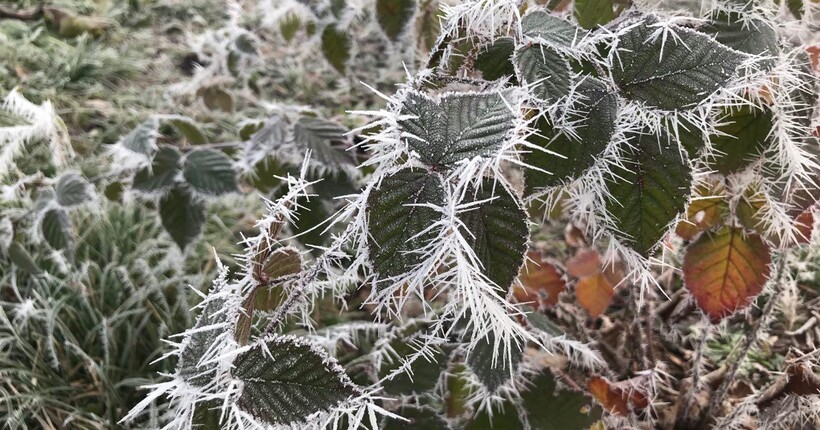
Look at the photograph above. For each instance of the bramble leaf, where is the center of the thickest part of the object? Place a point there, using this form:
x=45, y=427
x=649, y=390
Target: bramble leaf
x=550, y=409
x=319, y=136
x=594, y=294
x=493, y=372
x=545, y=69
x=21, y=259
x=725, y=270
x=707, y=209
x=456, y=127
x=56, y=229
x=143, y=138
x=614, y=398
x=591, y=13
x=209, y=172
x=163, y=171
x=188, y=129
x=646, y=196
x=394, y=16
x=744, y=34
x=495, y=59
x=212, y=321
x=744, y=138
x=396, y=219
x=72, y=190
x=286, y=379
x=541, y=283
x=551, y=29
x=336, y=46
x=671, y=72
x=182, y=216
x=418, y=418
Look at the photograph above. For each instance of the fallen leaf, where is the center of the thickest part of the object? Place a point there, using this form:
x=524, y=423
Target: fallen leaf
x=594, y=294
x=540, y=282
x=618, y=399
x=798, y=379
x=586, y=262
x=725, y=270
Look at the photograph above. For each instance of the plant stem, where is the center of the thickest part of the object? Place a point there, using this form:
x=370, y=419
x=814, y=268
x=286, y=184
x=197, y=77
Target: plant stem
x=684, y=415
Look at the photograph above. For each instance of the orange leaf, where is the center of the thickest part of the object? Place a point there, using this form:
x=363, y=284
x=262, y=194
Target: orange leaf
x=705, y=211
x=540, y=282
x=725, y=270
x=805, y=225
x=616, y=399
x=586, y=262
x=594, y=294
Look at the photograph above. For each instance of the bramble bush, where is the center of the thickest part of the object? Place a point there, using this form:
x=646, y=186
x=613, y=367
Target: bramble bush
x=587, y=214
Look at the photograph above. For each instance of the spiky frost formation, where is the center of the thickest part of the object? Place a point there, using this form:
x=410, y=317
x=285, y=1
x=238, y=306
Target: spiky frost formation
x=42, y=123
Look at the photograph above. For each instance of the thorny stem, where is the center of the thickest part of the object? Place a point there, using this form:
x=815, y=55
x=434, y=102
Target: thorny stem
x=637, y=327
x=748, y=341
x=690, y=394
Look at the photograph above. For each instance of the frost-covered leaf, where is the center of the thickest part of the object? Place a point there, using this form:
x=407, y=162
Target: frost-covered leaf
x=263, y=142
x=751, y=36
x=289, y=25
x=245, y=44
x=209, y=172
x=425, y=372
x=56, y=229
x=212, y=321
x=319, y=136
x=73, y=190
x=162, y=173
x=396, y=219
x=22, y=260
x=216, y=98
x=394, y=16
x=457, y=127
x=744, y=138
x=313, y=212
x=182, y=215
x=674, y=71
x=615, y=398
x=725, y=270
x=418, y=418
x=285, y=379
x=591, y=13
x=707, y=209
x=596, y=110
x=336, y=46
x=544, y=69
x=207, y=416
x=498, y=233
x=646, y=196
x=504, y=419
x=282, y=262
x=188, y=129
x=551, y=29
x=549, y=408
x=494, y=60
x=493, y=373
x=143, y=138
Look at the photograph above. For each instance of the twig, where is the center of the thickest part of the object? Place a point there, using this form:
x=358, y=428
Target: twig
x=689, y=397
x=748, y=341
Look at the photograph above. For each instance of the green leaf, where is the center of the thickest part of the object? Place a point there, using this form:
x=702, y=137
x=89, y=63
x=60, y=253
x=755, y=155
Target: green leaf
x=396, y=220
x=595, y=116
x=209, y=172
x=540, y=322
x=418, y=418
x=498, y=233
x=752, y=36
x=289, y=25
x=336, y=46
x=200, y=341
x=646, y=196
x=163, y=171
x=545, y=69
x=504, y=419
x=143, y=138
x=426, y=371
x=182, y=215
x=677, y=71
x=207, y=415
x=56, y=229
x=592, y=13
x=550, y=409
x=319, y=136
x=495, y=59
x=551, y=29
x=493, y=374
x=22, y=260
x=688, y=136
x=216, y=98
x=245, y=44
x=72, y=190
x=394, y=15
x=188, y=129
x=286, y=379
x=746, y=131
x=313, y=213
x=457, y=127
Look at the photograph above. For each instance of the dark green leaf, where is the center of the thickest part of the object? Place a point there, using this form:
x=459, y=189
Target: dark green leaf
x=394, y=16
x=495, y=59
x=592, y=13
x=540, y=322
x=143, y=138
x=418, y=418
x=336, y=48
x=198, y=343
x=163, y=171
x=458, y=127
x=182, y=215
x=545, y=69
x=207, y=415
x=425, y=372
x=646, y=196
x=56, y=229
x=319, y=136
x=550, y=409
x=497, y=232
x=22, y=259
x=493, y=373
x=286, y=379
x=216, y=98
x=310, y=225
x=674, y=71
x=551, y=29
x=504, y=419
x=72, y=190
x=595, y=123
x=745, y=136
x=188, y=129
x=245, y=44
x=751, y=36
x=209, y=172
x=395, y=220
x=688, y=136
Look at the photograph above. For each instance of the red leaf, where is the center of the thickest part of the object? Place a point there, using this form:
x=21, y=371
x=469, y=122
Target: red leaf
x=540, y=282
x=725, y=270
x=614, y=398
x=594, y=294
x=586, y=262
